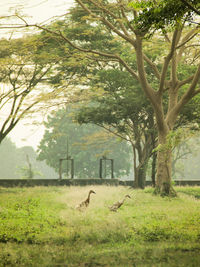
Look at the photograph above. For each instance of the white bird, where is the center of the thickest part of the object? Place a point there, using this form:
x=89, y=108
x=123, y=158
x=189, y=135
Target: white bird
x=118, y=204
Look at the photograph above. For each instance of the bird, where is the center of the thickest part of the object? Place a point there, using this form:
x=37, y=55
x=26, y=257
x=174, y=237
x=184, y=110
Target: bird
x=84, y=204
x=118, y=204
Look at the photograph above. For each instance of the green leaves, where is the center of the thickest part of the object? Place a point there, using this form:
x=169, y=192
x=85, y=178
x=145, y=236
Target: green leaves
x=85, y=144
x=140, y=5
x=26, y=220
x=175, y=138
x=155, y=15
x=122, y=103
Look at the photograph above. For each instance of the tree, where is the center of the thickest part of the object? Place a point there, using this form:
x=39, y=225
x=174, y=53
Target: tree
x=123, y=111
x=160, y=14
x=119, y=20
x=86, y=144
x=31, y=81
x=13, y=161
x=192, y=6
x=21, y=71
x=9, y=158
x=179, y=45
x=88, y=70
x=113, y=109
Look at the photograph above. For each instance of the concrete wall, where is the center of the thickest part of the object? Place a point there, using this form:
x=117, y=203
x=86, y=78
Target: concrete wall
x=56, y=182
x=80, y=182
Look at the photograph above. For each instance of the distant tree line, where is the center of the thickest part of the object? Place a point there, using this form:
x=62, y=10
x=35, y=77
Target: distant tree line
x=14, y=163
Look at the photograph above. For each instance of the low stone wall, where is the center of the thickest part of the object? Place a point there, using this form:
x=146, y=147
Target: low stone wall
x=187, y=182
x=80, y=182
x=131, y=183
x=56, y=182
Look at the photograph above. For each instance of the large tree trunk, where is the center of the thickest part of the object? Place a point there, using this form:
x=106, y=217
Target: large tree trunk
x=164, y=167
x=120, y=23
x=139, y=176
x=136, y=178
x=140, y=168
x=142, y=174
x=153, y=169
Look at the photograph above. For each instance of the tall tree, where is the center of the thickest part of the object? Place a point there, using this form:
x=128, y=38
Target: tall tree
x=179, y=45
x=123, y=111
x=86, y=144
x=22, y=69
x=31, y=80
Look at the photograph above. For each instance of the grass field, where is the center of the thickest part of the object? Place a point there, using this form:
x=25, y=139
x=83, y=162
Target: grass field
x=40, y=227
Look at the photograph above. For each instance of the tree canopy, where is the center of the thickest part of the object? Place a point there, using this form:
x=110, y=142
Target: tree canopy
x=169, y=91
x=122, y=110
x=160, y=14
x=86, y=144
x=31, y=80
x=22, y=69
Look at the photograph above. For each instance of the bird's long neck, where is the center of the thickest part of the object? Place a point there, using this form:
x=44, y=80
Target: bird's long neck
x=88, y=198
x=123, y=200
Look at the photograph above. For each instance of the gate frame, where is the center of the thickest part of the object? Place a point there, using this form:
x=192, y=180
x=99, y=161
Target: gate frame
x=101, y=166
x=72, y=166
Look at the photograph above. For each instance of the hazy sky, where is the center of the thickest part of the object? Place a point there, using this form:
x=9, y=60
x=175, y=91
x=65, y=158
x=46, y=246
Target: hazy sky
x=39, y=10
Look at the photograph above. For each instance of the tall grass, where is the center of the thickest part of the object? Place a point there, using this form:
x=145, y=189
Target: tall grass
x=43, y=220
x=144, y=216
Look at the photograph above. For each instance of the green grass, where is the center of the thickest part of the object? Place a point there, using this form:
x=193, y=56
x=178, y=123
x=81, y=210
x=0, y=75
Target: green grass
x=40, y=227
x=192, y=191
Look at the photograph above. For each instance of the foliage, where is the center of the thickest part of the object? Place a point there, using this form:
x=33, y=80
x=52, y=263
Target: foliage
x=117, y=21
x=22, y=69
x=26, y=219
x=190, y=115
x=160, y=14
x=171, y=92
x=176, y=138
x=191, y=191
x=40, y=227
x=123, y=110
x=31, y=80
x=120, y=103
x=9, y=157
x=86, y=144
x=28, y=173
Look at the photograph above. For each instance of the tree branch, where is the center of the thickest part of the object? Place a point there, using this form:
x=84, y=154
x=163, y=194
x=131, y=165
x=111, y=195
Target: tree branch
x=175, y=39
x=104, y=54
x=181, y=83
x=190, y=6
x=186, y=97
x=153, y=66
x=189, y=37
x=105, y=21
x=113, y=132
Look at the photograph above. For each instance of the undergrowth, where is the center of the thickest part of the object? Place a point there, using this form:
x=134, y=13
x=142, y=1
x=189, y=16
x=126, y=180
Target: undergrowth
x=44, y=219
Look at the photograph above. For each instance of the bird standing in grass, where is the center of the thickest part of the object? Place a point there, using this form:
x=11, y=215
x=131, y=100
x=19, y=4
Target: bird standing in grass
x=118, y=204
x=84, y=204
